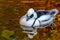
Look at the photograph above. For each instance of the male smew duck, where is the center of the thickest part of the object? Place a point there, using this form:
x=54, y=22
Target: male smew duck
x=34, y=19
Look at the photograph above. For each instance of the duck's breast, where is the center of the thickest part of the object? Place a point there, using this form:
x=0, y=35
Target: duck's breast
x=36, y=23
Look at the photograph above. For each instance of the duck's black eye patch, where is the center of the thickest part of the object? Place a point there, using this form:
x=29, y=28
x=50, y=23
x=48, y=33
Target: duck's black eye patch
x=31, y=16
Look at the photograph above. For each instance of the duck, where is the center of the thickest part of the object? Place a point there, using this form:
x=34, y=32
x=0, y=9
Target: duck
x=35, y=19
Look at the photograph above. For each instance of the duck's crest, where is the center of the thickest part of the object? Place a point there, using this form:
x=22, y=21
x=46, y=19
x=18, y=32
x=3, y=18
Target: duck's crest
x=30, y=11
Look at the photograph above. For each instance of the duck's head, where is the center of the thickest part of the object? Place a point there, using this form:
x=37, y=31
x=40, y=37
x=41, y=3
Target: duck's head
x=31, y=14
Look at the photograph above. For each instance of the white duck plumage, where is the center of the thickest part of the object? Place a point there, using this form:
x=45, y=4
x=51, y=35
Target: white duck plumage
x=27, y=22
x=23, y=20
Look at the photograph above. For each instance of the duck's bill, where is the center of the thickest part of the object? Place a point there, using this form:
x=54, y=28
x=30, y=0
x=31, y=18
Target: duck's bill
x=28, y=18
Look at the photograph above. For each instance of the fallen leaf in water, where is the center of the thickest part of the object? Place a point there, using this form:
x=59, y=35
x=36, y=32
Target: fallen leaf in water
x=7, y=33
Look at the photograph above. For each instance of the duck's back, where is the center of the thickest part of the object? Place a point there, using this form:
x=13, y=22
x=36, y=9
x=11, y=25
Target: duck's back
x=40, y=13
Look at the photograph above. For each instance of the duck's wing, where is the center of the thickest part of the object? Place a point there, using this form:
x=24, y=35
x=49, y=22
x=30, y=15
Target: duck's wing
x=44, y=17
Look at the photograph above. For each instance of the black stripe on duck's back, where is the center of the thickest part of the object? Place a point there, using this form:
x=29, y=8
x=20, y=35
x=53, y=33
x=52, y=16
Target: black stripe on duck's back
x=40, y=13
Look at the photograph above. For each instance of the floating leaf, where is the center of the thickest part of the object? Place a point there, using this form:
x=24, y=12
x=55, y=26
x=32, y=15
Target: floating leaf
x=7, y=33
x=58, y=19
